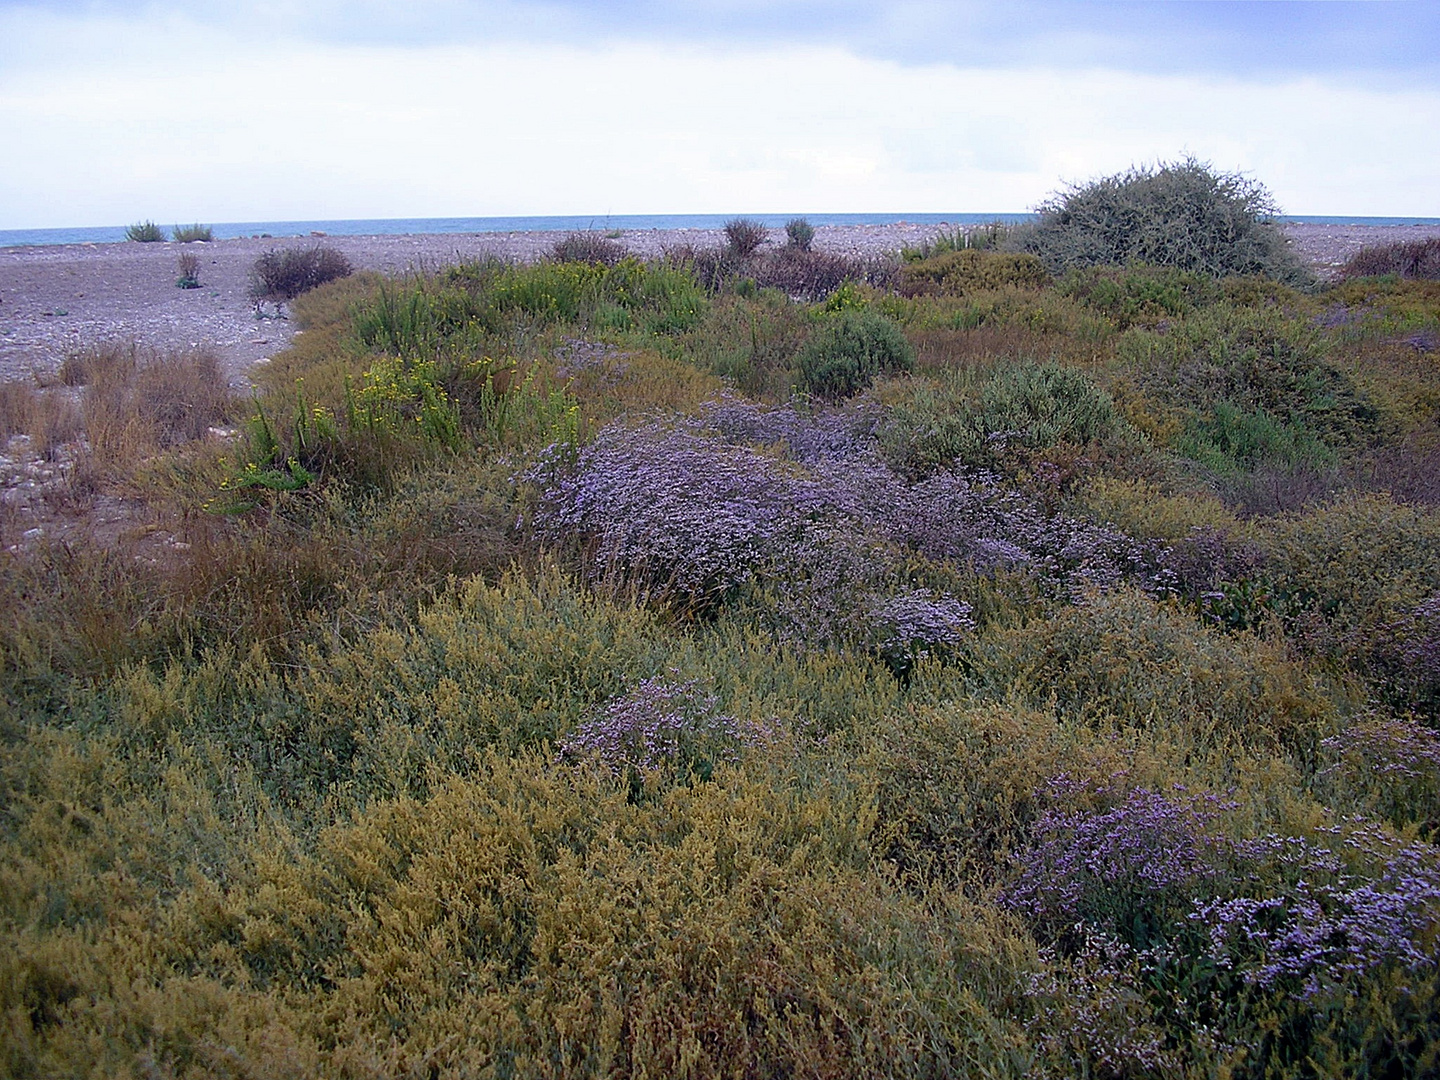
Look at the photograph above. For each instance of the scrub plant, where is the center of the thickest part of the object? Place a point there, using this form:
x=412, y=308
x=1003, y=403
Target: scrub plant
x=848, y=351
x=1179, y=214
x=189, y=234
x=189, y=267
x=280, y=276
x=799, y=233
x=145, y=232
x=743, y=236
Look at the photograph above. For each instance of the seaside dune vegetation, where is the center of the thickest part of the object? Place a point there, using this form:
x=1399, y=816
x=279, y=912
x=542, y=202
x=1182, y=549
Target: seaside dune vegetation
x=1006, y=668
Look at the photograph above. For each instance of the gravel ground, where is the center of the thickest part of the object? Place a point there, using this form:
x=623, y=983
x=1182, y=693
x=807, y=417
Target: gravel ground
x=57, y=299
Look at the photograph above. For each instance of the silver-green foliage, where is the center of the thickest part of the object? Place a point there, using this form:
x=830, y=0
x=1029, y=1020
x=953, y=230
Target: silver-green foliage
x=1182, y=214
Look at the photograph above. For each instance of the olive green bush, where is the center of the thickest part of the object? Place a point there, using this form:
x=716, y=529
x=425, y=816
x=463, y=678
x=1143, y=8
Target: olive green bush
x=848, y=350
x=1257, y=386
x=980, y=419
x=1180, y=214
x=956, y=273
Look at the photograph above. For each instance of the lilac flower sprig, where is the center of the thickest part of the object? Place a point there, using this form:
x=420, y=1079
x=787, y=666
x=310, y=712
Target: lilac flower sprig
x=692, y=510
x=660, y=724
x=1279, y=912
x=1321, y=934
x=1131, y=866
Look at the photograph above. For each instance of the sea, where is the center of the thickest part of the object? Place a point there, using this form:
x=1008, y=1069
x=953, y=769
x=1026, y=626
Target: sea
x=108, y=234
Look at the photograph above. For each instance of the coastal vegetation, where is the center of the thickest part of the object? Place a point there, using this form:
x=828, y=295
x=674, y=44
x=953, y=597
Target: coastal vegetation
x=145, y=232
x=983, y=664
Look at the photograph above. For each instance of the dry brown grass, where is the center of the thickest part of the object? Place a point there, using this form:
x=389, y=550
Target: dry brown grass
x=136, y=403
x=48, y=415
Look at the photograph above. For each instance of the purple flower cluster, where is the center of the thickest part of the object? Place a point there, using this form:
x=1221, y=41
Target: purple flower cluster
x=691, y=510
x=974, y=520
x=804, y=435
x=912, y=625
x=1320, y=933
x=1276, y=910
x=1115, y=867
x=658, y=724
x=674, y=511
x=1387, y=748
x=1092, y=1012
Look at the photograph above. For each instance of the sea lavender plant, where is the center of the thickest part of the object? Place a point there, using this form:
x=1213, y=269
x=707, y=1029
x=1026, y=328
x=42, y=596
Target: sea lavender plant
x=675, y=514
x=1277, y=911
x=1128, y=869
x=912, y=625
x=1317, y=935
x=660, y=724
x=804, y=507
x=1391, y=766
x=1093, y=1014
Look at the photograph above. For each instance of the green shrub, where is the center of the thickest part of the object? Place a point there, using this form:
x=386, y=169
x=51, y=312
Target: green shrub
x=800, y=233
x=189, y=234
x=1361, y=560
x=1258, y=385
x=1140, y=293
x=981, y=238
x=1017, y=312
x=1230, y=438
x=956, y=273
x=1124, y=658
x=848, y=350
x=1182, y=215
x=146, y=232
x=751, y=342
x=974, y=419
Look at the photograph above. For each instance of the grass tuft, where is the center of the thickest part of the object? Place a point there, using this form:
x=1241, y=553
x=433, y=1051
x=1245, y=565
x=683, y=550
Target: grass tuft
x=145, y=232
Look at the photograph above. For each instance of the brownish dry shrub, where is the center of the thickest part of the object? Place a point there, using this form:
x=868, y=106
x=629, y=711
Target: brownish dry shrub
x=814, y=275
x=279, y=276
x=49, y=416
x=135, y=403
x=1415, y=259
x=588, y=247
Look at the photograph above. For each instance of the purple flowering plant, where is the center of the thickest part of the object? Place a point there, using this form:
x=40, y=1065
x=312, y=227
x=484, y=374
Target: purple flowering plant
x=1279, y=912
x=1390, y=766
x=660, y=725
x=799, y=505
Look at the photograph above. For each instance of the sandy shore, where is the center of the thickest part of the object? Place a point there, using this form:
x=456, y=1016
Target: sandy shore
x=58, y=299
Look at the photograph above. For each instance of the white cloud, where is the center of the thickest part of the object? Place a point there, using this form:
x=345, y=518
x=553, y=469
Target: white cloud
x=165, y=123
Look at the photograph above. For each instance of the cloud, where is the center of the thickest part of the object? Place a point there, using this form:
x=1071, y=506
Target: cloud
x=144, y=120
x=1375, y=40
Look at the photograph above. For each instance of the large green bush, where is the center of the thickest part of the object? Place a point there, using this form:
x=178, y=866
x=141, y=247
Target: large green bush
x=1183, y=214
x=849, y=350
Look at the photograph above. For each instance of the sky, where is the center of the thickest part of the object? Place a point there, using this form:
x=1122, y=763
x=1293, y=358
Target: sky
x=114, y=111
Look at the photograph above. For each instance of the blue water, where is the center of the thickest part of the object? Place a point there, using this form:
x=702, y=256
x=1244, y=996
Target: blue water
x=108, y=234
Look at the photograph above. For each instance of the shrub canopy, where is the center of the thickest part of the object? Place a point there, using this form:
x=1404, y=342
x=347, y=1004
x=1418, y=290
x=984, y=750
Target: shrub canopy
x=1182, y=215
